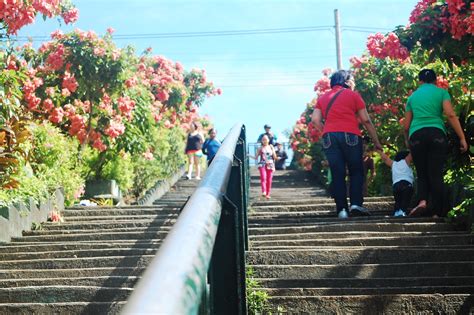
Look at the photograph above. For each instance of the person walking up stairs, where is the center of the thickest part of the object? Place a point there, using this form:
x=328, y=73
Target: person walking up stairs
x=309, y=261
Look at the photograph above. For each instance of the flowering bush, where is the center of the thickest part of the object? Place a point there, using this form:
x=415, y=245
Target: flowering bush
x=15, y=14
x=380, y=46
x=126, y=112
x=388, y=75
x=76, y=81
x=444, y=28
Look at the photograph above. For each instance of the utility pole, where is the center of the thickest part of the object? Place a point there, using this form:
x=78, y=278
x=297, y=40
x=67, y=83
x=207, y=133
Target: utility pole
x=338, y=39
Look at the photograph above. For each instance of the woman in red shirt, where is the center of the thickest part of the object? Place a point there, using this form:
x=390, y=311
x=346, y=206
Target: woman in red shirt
x=342, y=110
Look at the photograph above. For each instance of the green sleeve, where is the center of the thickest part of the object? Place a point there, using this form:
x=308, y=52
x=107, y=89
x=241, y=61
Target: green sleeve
x=446, y=96
x=408, y=107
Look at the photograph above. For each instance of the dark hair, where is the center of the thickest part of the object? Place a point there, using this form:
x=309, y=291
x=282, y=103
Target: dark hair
x=195, y=124
x=427, y=76
x=401, y=155
x=211, y=130
x=340, y=78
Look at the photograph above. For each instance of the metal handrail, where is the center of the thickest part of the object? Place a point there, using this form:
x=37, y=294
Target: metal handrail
x=176, y=278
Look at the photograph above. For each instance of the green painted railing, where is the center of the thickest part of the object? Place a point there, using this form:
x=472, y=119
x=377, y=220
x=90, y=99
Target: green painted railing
x=200, y=267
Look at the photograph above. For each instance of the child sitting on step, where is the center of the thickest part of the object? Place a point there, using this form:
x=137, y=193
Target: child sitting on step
x=402, y=180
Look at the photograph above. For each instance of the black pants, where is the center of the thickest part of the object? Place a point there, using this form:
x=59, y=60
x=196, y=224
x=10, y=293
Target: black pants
x=429, y=147
x=402, y=191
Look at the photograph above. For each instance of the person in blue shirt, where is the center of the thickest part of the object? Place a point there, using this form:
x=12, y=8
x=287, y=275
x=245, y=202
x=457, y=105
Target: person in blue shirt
x=211, y=145
x=271, y=136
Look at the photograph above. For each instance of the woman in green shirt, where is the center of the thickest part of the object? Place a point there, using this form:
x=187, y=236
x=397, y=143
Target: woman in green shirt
x=424, y=123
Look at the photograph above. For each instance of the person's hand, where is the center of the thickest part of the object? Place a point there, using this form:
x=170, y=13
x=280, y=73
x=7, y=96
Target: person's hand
x=464, y=145
x=378, y=146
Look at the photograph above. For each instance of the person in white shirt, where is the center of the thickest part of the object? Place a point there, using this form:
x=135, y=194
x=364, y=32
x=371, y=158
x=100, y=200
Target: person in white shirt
x=402, y=180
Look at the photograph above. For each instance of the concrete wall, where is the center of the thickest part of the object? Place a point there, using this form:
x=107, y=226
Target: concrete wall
x=20, y=216
x=160, y=188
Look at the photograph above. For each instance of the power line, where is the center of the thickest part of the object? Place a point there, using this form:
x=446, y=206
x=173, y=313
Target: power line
x=204, y=34
x=265, y=85
x=263, y=31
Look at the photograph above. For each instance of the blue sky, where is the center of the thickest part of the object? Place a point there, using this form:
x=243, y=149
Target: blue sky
x=265, y=78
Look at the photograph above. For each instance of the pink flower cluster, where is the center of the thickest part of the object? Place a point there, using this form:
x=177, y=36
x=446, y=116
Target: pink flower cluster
x=18, y=13
x=442, y=83
x=420, y=9
x=460, y=24
x=381, y=47
x=126, y=106
x=115, y=128
x=358, y=62
x=322, y=85
x=55, y=60
x=453, y=17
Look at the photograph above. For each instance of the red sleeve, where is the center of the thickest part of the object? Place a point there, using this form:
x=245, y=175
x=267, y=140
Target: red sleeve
x=318, y=105
x=358, y=101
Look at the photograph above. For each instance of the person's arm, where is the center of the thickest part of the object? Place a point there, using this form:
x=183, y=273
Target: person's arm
x=367, y=123
x=204, y=146
x=372, y=169
x=385, y=158
x=256, y=155
x=275, y=157
x=406, y=125
x=454, y=122
x=317, y=118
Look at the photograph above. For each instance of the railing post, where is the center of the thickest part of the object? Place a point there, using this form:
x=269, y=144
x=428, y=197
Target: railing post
x=227, y=270
x=241, y=154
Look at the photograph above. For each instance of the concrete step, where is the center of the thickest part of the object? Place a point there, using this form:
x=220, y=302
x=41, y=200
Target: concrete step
x=78, y=262
x=367, y=282
x=78, y=253
x=387, y=225
x=352, y=256
x=316, y=208
x=104, y=281
x=435, y=240
x=313, y=201
x=57, y=293
x=151, y=229
x=349, y=234
x=70, y=273
x=110, y=218
x=422, y=269
x=341, y=291
x=273, y=221
x=62, y=308
x=376, y=304
x=117, y=224
x=116, y=212
x=96, y=236
x=32, y=247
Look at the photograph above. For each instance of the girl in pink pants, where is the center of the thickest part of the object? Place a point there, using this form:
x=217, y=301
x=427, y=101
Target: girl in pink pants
x=266, y=166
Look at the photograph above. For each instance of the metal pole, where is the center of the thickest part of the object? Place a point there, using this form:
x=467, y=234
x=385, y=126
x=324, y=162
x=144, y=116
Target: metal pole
x=338, y=39
x=227, y=272
x=241, y=154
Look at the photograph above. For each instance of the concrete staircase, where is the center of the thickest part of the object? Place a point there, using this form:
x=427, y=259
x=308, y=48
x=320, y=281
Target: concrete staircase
x=88, y=264
x=310, y=262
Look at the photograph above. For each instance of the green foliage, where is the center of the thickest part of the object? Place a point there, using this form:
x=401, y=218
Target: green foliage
x=10, y=90
x=257, y=300
x=168, y=156
x=50, y=165
x=109, y=165
x=54, y=161
x=36, y=226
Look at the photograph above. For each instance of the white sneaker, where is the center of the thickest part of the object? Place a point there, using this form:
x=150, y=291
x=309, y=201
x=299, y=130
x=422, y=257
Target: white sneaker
x=359, y=211
x=343, y=214
x=188, y=176
x=198, y=178
x=399, y=213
